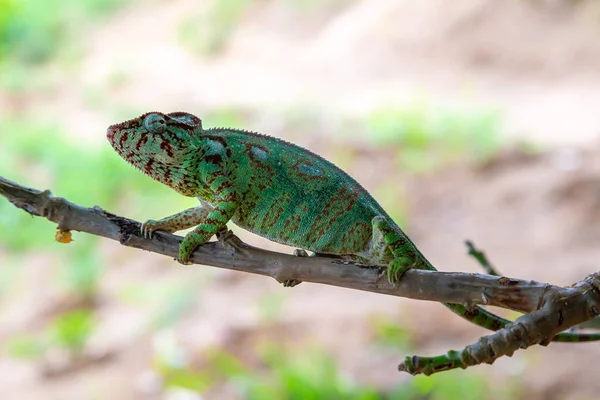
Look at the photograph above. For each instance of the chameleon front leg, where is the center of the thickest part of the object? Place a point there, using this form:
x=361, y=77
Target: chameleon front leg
x=216, y=219
x=177, y=222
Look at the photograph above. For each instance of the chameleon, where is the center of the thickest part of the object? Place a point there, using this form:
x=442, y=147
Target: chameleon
x=275, y=189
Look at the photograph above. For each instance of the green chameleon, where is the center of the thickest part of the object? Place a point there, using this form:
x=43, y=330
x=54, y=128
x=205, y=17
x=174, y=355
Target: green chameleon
x=275, y=189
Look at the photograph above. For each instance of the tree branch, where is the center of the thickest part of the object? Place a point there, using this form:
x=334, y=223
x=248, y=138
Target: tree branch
x=558, y=312
x=230, y=253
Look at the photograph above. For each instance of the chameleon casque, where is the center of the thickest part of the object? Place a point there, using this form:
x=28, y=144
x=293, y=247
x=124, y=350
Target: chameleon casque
x=275, y=189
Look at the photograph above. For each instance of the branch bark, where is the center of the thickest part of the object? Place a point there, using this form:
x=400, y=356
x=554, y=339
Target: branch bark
x=230, y=253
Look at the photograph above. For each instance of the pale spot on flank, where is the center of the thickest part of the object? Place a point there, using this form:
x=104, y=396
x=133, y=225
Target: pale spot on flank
x=259, y=153
x=216, y=147
x=310, y=170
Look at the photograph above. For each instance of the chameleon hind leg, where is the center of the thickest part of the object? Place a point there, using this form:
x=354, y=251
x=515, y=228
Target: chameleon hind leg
x=387, y=238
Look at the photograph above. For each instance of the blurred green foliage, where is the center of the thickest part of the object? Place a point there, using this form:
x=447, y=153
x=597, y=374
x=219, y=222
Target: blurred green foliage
x=33, y=31
x=309, y=373
x=69, y=331
x=225, y=117
x=428, y=137
x=168, y=299
x=207, y=33
x=389, y=332
x=72, y=329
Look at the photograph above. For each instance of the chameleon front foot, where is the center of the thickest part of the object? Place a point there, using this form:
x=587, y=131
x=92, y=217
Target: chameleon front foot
x=152, y=225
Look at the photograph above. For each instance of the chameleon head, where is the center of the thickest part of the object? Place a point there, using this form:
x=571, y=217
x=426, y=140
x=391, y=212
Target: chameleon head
x=154, y=142
x=153, y=138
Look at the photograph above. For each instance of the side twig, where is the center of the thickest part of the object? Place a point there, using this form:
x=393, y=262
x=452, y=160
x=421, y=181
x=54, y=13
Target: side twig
x=481, y=259
x=558, y=312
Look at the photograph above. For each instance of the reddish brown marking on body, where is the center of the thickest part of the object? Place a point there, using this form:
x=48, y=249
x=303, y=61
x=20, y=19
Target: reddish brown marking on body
x=143, y=140
x=224, y=185
x=356, y=238
x=123, y=139
x=291, y=225
x=274, y=212
x=166, y=146
x=148, y=167
x=338, y=205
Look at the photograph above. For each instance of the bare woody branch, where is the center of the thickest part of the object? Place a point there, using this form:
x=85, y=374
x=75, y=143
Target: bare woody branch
x=558, y=312
x=230, y=253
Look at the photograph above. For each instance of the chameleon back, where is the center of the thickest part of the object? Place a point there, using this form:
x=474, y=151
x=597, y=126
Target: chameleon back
x=292, y=196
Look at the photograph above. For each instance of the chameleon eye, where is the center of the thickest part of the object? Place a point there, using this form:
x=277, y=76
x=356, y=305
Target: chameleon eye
x=155, y=123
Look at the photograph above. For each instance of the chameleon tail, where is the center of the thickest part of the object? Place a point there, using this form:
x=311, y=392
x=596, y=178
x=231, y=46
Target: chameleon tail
x=406, y=255
x=488, y=320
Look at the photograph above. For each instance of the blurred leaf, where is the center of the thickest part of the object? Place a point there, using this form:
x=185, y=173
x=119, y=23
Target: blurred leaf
x=310, y=374
x=452, y=385
x=83, y=266
x=224, y=117
x=71, y=330
x=428, y=138
x=208, y=34
x=187, y=379
x=225, y=363
x=31, y=31
x=270, y=305
x=390, y=332
x=25, y=346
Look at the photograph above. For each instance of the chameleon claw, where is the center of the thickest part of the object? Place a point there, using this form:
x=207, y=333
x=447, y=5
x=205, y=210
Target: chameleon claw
x=395, y=270
x=224, y=234
x=183, y=257
x=299, y=253
x=148, y=228
x=184, y=262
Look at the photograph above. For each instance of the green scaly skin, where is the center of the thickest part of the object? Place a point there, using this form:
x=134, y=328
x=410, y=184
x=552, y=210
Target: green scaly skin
x=275, y=189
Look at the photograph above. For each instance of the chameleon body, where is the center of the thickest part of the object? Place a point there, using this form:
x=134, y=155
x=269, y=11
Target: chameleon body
x=275, y=189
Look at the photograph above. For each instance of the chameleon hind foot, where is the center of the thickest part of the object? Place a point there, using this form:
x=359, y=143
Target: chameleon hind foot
x=295, y=282
x=396, y=268
x=192, y=240
x=291, y=282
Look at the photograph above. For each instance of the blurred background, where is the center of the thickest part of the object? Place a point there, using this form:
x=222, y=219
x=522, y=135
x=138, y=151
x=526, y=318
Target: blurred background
x=474, y=120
